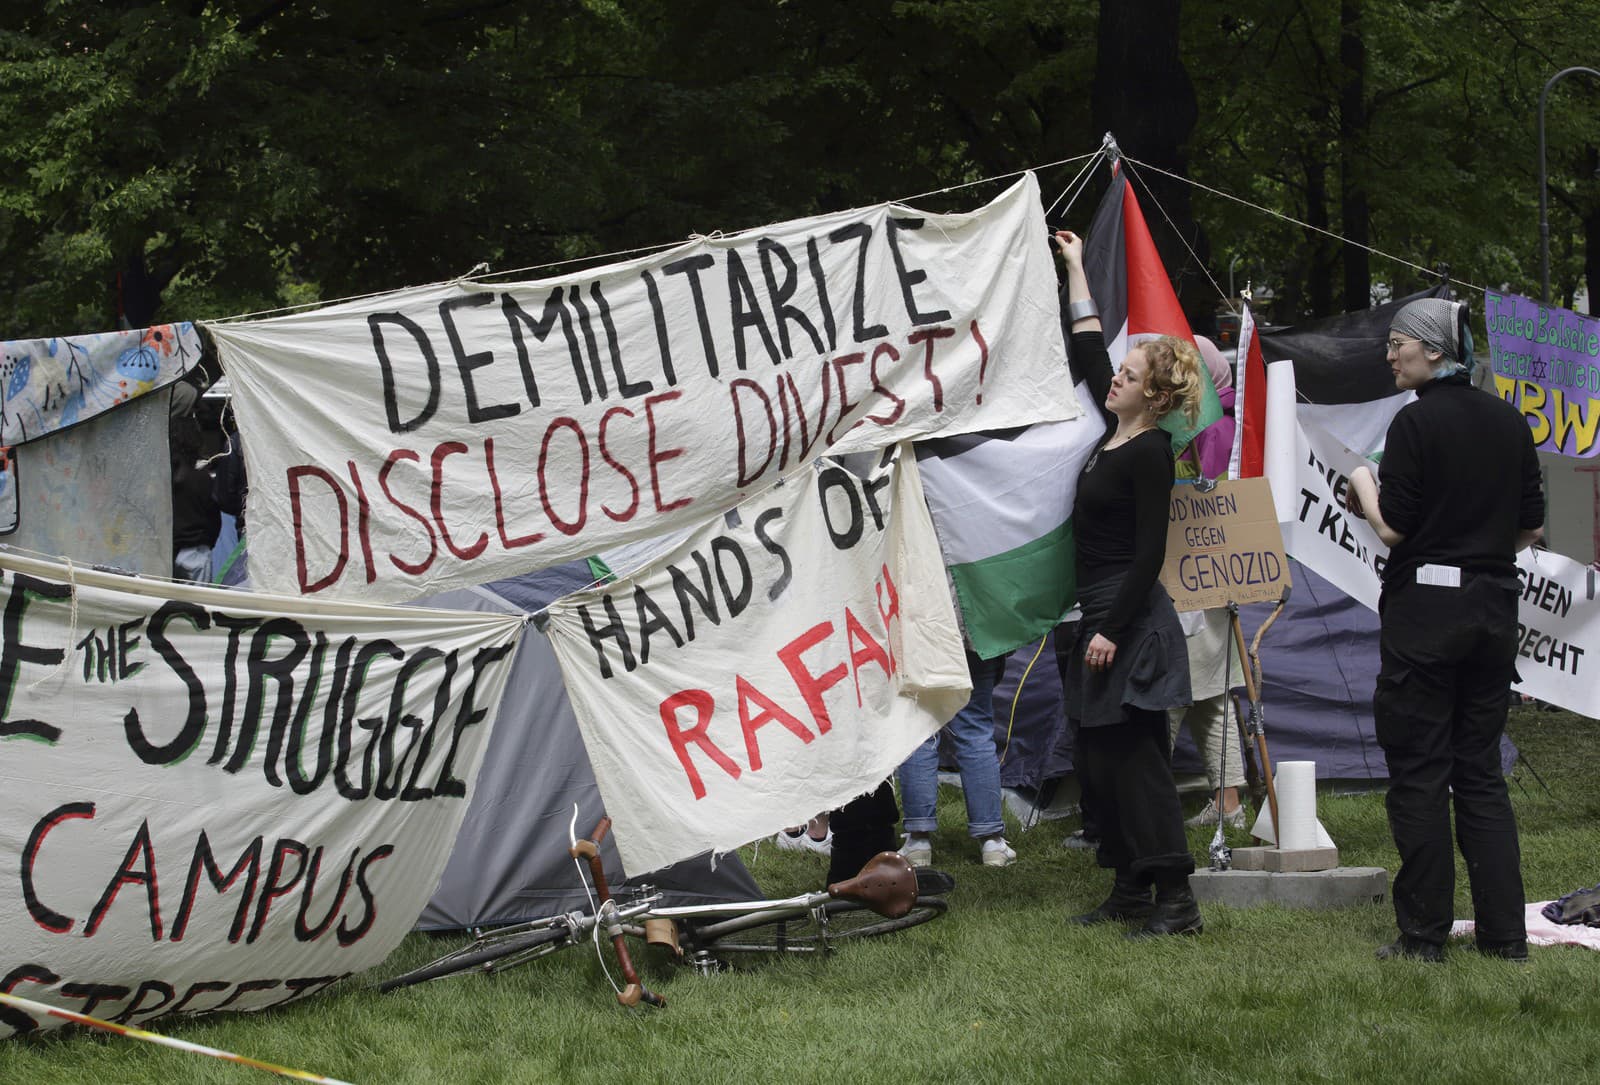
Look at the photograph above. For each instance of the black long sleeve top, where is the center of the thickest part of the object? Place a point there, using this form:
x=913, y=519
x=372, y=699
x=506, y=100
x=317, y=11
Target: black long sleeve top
x=1460, y=477
x=1119, y=516
x=195, y=521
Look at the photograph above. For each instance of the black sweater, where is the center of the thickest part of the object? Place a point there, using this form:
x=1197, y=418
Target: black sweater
x=1459, y=478
x=194, y=515
x=1119, y=516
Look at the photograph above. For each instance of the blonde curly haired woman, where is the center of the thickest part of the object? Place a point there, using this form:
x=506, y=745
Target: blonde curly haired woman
x=1128, y=664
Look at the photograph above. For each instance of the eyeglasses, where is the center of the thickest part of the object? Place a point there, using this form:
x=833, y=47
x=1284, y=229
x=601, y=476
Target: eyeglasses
x=1395, y=344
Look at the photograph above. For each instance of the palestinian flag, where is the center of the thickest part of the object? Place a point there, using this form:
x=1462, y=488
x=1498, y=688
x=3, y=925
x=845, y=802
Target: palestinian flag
x=1136, y=300
x=1343, y=384
x=1002, y=507
x=1248, y=459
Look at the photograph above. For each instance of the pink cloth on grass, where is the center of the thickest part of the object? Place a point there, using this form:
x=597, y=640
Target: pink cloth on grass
x=1542, y=932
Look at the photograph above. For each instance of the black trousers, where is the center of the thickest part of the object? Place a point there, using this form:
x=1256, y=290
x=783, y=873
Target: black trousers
x=1125, y=773
x=1065, y=638
x=862, y=828
x=1448, y=660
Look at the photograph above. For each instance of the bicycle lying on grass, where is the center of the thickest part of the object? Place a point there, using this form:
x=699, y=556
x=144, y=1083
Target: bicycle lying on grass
x=884, y=897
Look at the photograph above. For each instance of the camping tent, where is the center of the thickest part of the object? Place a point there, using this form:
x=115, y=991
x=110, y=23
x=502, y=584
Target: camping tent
x=1319, y=662
x=510, y=860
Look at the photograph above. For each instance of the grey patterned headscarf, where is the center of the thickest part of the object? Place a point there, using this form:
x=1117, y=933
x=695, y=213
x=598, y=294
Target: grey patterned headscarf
x=1442, y=326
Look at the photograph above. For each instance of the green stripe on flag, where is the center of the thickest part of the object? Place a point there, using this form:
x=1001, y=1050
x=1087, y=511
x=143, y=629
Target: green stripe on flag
x=1018, y=596
x=1177, y=424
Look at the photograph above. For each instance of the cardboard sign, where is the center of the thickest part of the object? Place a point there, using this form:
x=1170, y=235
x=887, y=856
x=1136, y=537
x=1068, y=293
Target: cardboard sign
x=1223, y=546
x=776, y=662
x=221, y=801
x=458, y=433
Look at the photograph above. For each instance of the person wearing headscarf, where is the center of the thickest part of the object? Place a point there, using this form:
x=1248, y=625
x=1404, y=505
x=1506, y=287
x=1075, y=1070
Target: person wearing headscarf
x=1214, y=444
x=1457, y=495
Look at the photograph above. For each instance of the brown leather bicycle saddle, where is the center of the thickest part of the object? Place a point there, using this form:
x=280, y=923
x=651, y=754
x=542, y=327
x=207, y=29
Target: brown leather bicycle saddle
x=887, y=885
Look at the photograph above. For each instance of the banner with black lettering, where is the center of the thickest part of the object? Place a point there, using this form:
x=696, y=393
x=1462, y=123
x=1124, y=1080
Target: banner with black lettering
x=1558, y=618
x=458, y=433
x=221, y=801
x=779, y=661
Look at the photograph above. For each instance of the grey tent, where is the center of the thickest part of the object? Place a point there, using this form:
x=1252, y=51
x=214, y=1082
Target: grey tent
x=510, y=860
x=1319, y=662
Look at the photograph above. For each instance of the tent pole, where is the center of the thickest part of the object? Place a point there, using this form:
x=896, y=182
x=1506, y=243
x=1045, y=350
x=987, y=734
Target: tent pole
x=1522, y=759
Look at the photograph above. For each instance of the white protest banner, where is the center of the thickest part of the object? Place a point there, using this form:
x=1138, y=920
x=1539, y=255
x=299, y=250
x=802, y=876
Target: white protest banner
x=1558, y=630
x=1341, y=548
x=221, y=801
x=819, y=608
x=457, y=433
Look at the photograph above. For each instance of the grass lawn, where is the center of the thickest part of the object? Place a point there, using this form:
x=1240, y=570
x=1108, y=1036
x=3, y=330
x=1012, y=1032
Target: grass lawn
x=1001, y=989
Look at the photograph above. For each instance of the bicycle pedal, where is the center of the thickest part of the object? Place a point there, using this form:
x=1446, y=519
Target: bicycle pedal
x=705, y=964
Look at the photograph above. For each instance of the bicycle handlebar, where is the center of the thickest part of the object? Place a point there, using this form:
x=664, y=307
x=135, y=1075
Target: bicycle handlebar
x=589, y=850
x=633, y=994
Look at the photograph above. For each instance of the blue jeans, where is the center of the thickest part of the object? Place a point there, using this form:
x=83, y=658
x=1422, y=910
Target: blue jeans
x=972, y=733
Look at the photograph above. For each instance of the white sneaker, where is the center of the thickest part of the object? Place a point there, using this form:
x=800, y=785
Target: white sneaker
x=1233, y=819
x=996, y=852
x=918, y=850
x=802, y=840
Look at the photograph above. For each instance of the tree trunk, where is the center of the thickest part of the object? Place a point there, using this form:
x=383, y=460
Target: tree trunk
x=1319, y=265
x=1353, y=210
x=1142, y=95
x=139, y=289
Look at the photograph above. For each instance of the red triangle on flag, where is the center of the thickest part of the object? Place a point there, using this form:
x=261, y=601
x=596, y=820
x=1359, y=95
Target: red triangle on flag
x=1153, y=307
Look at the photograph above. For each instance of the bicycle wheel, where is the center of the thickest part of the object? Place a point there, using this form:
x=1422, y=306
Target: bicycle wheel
x=482, y=955
x=846, y=921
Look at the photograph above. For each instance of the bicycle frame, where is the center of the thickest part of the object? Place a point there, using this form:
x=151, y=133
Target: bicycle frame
x=887, y=886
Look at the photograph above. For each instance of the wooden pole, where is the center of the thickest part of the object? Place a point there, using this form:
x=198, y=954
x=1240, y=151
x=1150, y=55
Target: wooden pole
x=1255, y=727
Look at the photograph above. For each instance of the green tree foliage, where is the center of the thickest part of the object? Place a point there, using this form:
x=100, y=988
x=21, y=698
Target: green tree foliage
x=174, y=160
x=213, y=153
x=1440, y=142
x=188, y=160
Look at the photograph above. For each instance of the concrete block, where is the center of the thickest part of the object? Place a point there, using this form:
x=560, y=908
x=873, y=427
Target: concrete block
x=1285, y=861
x=1340, y=887
x=1301, y=860
x=1251, y=858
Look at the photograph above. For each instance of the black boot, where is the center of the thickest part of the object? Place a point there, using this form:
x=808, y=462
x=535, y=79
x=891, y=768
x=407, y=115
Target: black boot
x=1175, y=912
x=1129, y=900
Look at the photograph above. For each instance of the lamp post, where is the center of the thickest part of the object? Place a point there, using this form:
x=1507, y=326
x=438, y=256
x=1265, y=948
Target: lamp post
x=1544, y=214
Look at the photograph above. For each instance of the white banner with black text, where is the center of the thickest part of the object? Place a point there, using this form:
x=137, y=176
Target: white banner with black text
x=780, y=661
x=214, y=800
x=462, y=432
x=1558, y=632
